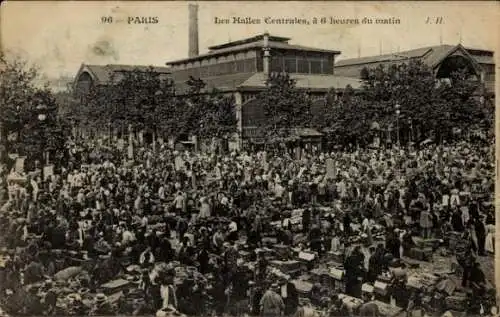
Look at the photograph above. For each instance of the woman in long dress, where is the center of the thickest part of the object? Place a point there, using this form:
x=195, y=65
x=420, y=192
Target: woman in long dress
x=490, y=239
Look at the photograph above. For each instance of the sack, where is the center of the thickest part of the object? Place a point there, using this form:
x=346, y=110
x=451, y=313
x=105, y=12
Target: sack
x=458, y=303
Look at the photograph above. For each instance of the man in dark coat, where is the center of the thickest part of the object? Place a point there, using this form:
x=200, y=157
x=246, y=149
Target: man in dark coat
x=354, y=271
x=477, y=283
x=306, y=220
x=393, y=244
x=315, y=239
x=375, y=265
x=481, y=235
x=464, y=255
x=291, y=299
x=347, y=224
x=203, y=259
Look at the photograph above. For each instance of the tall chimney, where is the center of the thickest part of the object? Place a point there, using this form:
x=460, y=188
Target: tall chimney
x=267, y=54
x=193, y=30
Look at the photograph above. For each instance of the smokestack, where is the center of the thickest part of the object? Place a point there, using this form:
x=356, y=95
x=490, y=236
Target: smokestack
x=267, y=54
x=193, y=30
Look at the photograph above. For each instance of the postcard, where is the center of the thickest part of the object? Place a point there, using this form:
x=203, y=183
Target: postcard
x=250, y=158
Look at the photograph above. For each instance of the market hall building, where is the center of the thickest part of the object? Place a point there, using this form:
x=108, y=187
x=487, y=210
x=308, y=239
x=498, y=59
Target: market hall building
x=442, y=59
x=240, y=68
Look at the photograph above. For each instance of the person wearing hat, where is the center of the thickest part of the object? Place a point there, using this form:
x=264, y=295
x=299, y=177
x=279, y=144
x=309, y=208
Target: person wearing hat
x=464, y=256
x=369, y=309
x=271, y=304
x=101, y=306
x=77, y=307
x=480, y=230
x=50, y=297
x=179, y=202
x=290, y=296
x=32, y=301
x=478, y=281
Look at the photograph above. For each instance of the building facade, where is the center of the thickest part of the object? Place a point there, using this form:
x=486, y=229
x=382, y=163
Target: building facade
x=442, y=59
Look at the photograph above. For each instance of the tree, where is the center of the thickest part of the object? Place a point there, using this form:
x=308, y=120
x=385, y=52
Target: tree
x=22, y=100
x=208, y=115
x=140, y=98
x=427, y=107
x=284, y=105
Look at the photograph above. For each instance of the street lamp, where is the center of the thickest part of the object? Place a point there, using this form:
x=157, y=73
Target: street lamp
x=410, y=134
x=398, y=112
x=42, y=117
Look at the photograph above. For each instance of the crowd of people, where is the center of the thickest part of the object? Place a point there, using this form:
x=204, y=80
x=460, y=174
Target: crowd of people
x=183, y=226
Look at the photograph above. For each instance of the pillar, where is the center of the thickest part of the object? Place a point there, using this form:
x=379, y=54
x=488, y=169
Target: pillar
x=239, y=117
x=267, y=55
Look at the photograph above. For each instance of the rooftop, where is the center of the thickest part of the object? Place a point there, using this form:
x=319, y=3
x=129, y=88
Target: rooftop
x=102, y=73
x=255, y=42
x=431, y=55
x=249, y=40
x=257, y=80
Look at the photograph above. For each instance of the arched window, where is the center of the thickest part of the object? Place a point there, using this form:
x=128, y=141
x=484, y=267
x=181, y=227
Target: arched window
x=455, y=63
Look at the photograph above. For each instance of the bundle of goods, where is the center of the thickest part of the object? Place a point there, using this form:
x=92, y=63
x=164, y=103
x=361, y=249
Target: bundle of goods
x=115, y=286
x=446, y=286
x=245, y=255
x=68, y=273
x=169, y=312
x=269, y=241
x=277, y=274
x=421, y=254
x=453, y=237
x=286, y=266
x=457, y=302
x=414, y=283
x=317, y=274
x=429, y=280
x=437, y=303
x=399, y=273
x=432, y=243
x=296, y=223
x=387, y=310
x=276, y=224
x=66, y=305
x=351, y=303
x=266, y=252
x=304, y=288
x=307, y=258
x=296, y=213
x=299, y=238
x=441, y=266
x=381, y=290
x=367, y=290
x=336, y=275
x=422, y=281
x=336, y=256
x=282, y=251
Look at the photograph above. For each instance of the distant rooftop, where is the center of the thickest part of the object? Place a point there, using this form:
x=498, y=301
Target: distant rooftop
x=430, y=54
x=103, y=73
x=250, y=40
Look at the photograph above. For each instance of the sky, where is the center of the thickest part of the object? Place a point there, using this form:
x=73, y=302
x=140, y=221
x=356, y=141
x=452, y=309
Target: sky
x=60, y=36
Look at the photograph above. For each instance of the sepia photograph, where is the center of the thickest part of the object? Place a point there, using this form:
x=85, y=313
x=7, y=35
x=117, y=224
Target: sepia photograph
x=253, y=158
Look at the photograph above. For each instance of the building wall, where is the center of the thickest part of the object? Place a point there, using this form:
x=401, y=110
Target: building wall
x=240, y=62
x=232, y=67
x=252, y=61
x=301, y=62
x=489, y=77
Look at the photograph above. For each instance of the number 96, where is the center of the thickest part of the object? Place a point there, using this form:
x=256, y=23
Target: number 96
x=106, y=19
